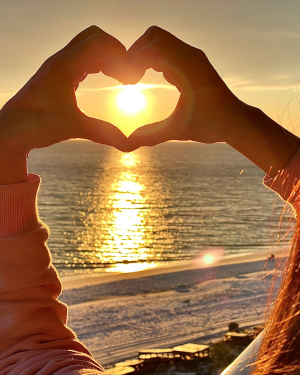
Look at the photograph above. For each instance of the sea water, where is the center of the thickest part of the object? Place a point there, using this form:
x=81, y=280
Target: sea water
x=110, y=211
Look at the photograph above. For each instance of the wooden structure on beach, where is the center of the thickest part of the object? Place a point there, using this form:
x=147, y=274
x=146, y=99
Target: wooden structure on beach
x=191, y=351
x=239, y=337
x=182, y=352
x=150, y=359
x=139, y=365
x=155, y=353
x=135, y=363
x=242, y=336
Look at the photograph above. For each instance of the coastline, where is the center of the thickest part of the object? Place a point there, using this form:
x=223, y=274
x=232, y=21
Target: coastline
x=79, y=281
x=116, y=315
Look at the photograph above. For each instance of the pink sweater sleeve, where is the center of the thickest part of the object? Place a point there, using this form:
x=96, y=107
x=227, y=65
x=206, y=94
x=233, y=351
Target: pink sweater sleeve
x=287, y=184
x=34, y=336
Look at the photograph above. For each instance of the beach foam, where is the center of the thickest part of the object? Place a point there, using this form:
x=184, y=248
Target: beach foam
x=115, y=315
x=78, y=281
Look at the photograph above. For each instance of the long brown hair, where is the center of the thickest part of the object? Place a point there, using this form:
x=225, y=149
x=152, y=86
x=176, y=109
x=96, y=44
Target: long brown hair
x=280, y=349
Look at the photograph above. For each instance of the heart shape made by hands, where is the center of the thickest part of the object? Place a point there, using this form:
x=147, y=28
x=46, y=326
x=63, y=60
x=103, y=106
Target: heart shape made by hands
x=163, y=52
x=206, y=108
x=45, y=110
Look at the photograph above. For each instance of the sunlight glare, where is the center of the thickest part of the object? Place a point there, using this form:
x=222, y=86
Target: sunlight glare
x=129, y=160
x=117, y=236
x=131, y=100
x=131, y=267
x=208, y=259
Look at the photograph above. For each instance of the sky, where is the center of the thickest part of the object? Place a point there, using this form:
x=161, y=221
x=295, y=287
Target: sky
x=253, y=44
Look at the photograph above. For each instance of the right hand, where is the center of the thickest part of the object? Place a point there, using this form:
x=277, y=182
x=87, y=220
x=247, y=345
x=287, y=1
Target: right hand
x=207, y=111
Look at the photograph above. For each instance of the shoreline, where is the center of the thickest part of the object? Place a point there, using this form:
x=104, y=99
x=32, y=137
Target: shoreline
x=80, y=281
x=116, y=315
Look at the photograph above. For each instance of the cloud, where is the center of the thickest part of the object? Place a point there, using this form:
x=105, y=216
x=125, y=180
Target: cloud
x=275, y=82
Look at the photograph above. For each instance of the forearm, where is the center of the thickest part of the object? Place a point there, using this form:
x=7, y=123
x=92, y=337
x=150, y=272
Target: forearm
x=264, y=142
x=35, y=331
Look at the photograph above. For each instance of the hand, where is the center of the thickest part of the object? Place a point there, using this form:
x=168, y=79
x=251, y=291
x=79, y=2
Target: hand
x=45, y=111
x=207, y=111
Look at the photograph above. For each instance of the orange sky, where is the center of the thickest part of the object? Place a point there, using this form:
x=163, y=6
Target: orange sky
x=255, y=46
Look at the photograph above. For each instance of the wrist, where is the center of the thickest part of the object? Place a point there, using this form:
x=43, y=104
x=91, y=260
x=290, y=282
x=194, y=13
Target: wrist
x=239, y=119
x=267, y=144
x=13, y=168
x=13, y=164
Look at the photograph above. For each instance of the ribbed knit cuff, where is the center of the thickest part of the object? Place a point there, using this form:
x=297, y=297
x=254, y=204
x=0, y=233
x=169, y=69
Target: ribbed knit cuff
x=287, y=183
x=18, y=208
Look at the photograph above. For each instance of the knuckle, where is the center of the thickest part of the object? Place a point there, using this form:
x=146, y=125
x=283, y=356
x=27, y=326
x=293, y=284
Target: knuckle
x=154, y=31
x=56, y=63
x=93, y=43
x=197, y=58
x=199, y=54
x=93, y=29
x=99, y=42
x=60, y=64
x=47, y=62
x=157, y=44
x=96, y=38
x=190, y=56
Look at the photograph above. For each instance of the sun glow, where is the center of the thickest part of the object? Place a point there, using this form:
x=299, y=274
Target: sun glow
x=131, y=100
x=208, y=259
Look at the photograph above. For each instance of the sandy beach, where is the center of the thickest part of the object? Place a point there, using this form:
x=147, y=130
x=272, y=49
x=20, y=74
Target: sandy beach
x=117, y=314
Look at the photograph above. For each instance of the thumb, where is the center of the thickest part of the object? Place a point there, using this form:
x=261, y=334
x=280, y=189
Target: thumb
x=175, y=127
x=151, y=135
x=103, y=132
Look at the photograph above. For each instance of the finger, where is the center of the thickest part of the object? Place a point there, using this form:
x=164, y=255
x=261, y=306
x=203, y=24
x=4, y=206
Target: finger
x=73, y=64
x=136, y=70
x=81, y=37
x=112, y=68
x=76, y=85
x=102, y=132
x=87, y=33
x=151, y=135
x=171, y=80
x=150, y=34
x=160, y=55
x=92, y=69
x=162, y=51
x=95, y=68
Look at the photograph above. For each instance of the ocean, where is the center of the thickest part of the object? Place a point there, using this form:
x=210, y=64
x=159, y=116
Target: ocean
x=114, y=212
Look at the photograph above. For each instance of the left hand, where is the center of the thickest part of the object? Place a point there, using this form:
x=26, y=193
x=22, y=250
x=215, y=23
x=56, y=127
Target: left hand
x=45, y=110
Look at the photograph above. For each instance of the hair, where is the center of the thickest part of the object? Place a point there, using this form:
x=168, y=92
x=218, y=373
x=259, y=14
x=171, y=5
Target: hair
x=280, y=349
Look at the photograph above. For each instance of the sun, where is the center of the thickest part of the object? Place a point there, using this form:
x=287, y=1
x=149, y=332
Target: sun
x=131, y=100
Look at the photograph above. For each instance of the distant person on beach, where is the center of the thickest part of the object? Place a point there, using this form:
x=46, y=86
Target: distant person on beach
x=35, y=338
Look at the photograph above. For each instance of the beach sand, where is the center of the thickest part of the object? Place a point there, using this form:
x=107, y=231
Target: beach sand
x=115, y=315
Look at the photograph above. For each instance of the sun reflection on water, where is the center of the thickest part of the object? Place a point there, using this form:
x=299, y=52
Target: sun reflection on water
x=115, y=229
x=126, y=228
x=131, y=267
